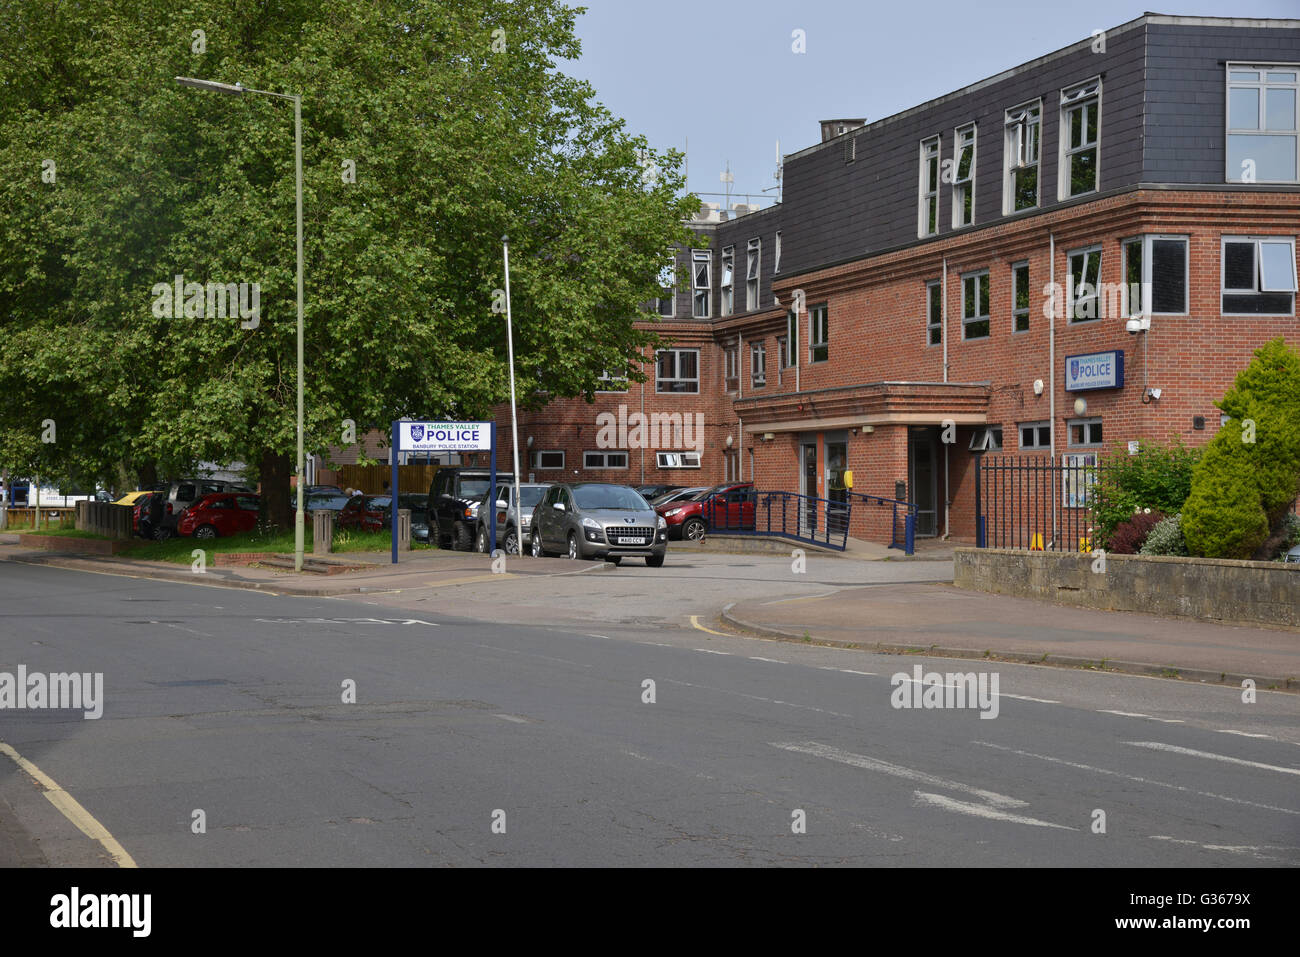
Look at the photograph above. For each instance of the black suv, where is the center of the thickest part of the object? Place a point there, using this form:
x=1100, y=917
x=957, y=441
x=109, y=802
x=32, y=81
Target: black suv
x=454, y=496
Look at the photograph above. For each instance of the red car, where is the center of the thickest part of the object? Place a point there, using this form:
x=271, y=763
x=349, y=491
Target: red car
x=219, y=514
x=723, y=506
x=366, y=512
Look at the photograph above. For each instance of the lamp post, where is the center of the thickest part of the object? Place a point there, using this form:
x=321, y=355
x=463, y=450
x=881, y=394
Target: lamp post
x=514, y=420
x=237, y=89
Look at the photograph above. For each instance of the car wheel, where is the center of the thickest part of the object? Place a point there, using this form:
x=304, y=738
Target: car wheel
x=464, y=539
x=161, y=534
x=574, y=551
x=512, y=542
x=538, y=551
x=481, y=544
x=615, y=560
x=205, y=531
x=654, y=561
x=694, y=529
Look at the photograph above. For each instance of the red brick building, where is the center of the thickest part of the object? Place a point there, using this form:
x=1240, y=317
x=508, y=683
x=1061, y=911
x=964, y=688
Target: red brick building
x=1073, y=255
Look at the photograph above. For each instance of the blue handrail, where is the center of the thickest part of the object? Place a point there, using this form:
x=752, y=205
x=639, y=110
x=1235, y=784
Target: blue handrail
x=908, y=541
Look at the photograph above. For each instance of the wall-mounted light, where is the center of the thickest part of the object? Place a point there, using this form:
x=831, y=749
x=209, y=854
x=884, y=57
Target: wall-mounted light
x=530, y=441
x=731, y=440
x=1080, y=406
x=768, y=436
x=1038, y=387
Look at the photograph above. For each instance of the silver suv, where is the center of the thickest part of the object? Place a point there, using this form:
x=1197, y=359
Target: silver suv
x=508, y=516
x=596, y=520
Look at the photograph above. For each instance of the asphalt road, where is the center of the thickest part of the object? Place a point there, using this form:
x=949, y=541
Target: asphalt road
x=231, y=703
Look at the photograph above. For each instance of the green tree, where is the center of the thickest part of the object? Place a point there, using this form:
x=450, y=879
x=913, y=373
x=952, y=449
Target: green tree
x=1244, y=485
x=460, y=127
x=1157, y=477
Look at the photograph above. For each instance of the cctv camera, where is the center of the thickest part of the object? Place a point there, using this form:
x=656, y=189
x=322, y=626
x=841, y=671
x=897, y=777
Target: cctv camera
x=1134, y=326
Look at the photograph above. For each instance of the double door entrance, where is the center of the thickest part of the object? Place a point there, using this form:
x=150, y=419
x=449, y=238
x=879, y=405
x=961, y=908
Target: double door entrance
x=829, y=468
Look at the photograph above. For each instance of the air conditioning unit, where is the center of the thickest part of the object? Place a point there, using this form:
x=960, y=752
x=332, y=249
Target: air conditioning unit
x=744, y=209
x=709, y=213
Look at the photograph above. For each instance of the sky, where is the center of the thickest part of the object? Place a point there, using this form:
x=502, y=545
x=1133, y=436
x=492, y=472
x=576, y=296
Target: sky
x=720, y=76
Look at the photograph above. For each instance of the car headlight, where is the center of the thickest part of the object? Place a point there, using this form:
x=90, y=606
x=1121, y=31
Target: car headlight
x=590, y=523
x=526, y=520
x=663, y=523
x=673, y=511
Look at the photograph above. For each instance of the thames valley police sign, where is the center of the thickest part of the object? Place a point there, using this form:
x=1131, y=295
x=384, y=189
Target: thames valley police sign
x=446, y=436
x=1096, y=370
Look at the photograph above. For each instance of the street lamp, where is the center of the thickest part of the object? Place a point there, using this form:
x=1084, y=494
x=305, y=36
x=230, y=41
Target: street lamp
x=215, y=87
x=514, y=420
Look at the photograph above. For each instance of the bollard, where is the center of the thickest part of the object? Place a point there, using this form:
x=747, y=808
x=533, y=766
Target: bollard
x=403, y=529
x=322, y=531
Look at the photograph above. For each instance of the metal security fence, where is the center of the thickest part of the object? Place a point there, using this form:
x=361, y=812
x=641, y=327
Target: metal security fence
x=801, y=518
x=1037, y=502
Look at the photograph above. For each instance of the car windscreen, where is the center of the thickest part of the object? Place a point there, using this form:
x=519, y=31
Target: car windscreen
x=531, y=495
x=332, y=502
x=373, y=502
x=608, y=496
x=706, y=493
x=473, y=489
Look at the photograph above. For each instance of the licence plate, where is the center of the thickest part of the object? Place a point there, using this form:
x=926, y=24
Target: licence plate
x=631, y=541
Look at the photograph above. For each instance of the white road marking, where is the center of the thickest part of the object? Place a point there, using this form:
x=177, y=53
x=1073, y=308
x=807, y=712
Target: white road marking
x=606, y=637
x=1230, y=848
x=710, y=651
x=1174, y=749
x=1134, y=714
x=510, y=717
x=1133, y=777
x=1001, y=694
x=981, y=810
x=898, y=771
x=850, y=671
x=754, y=697
x=775, y=661
x=1244, y=734
x=1025, y=697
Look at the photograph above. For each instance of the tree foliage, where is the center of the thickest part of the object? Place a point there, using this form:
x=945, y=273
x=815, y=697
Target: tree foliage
x=1245, y=483
x=462, y=128
x=1156, y=477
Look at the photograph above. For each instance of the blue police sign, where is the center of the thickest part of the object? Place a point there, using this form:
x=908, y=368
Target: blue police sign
x=1094, y=370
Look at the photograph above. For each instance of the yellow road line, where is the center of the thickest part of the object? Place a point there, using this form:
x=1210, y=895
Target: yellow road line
x=695, y=620
x=71, y=809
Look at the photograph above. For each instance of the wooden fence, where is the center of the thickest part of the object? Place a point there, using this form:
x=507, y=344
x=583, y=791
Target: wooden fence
x=374, y=479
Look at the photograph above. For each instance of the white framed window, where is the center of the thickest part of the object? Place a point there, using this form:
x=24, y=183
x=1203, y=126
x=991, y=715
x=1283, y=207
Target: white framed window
x=731, y=367
x=927, y=217
x=604, y=460
x=776, y=253
x=1155, y=276
x=752, y=256
x=547, y=459
x=790, y=342
x=1081, y=293
x=1023, y=141
x=1080, y=139
x=727, y=287
x=819, y=334
x=1084, y=432
x=1035, y=436
x=1258, y=275
x=975, y=305
x=1020, y=297
x=678, y=460
x=963, y=176
x=665, y=305
x=1263, y=123
x=677, y=370
x=758, y=365
x=701, y=282
x=934, y=312
x=611, y=383
x=986, y=438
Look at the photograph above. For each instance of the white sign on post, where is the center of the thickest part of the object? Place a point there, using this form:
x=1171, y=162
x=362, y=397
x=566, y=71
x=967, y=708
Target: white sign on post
x=445, y=436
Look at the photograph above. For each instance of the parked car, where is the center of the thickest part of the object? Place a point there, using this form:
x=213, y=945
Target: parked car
x=596, y=520
x=219, y=515
x=691, y=519
x=675, y=495
x=369, y=513
x=649, y=492
x=454, y=497
x=322, y=501
x=508, y=537
x=183, y=493
x=130, y=498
